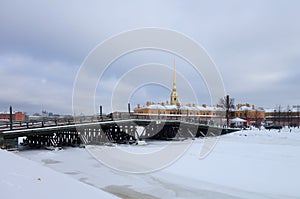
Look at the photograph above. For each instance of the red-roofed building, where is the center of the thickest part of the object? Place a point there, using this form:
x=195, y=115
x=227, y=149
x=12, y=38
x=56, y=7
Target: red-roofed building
x=17, y=117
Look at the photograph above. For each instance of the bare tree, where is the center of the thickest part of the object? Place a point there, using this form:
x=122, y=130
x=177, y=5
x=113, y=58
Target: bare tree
x=279, y=114
x=257, y=115
x=227, y=103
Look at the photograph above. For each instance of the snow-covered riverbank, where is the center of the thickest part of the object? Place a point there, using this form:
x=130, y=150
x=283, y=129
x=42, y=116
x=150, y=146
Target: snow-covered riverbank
x=244, y=164
x=22, y=178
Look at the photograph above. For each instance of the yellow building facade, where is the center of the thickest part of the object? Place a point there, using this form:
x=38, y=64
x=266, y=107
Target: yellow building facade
x=198, y=112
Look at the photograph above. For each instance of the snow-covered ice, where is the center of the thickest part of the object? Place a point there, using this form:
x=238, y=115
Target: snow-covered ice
x=21, y=178
x=244, y=164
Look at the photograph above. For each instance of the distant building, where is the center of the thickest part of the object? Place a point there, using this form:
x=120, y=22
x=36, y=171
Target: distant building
x=16, y=117
x=174, y=110
x=203, y=113
x=248, y=112
x=289, y=116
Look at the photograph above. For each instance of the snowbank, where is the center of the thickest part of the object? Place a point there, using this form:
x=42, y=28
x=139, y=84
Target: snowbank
x=244, y=164
x=22, y=178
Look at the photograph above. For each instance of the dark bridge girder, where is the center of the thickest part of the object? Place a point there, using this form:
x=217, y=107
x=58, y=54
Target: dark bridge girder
x=122, y=131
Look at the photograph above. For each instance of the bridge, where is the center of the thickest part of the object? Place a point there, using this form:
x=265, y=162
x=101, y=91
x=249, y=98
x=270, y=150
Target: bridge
x=104, y=130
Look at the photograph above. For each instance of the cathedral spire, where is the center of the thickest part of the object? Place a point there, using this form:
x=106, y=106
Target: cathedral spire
x=174, y=94
x=174, y=77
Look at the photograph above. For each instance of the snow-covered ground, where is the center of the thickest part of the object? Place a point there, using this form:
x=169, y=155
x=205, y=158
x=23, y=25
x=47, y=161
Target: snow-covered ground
x=244, y=164
x=22, y=178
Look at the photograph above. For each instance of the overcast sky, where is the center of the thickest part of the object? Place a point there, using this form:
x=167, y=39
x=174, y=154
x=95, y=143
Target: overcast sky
x=255, y=45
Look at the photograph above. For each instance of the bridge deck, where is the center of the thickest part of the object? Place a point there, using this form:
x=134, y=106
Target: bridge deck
x=120, y=131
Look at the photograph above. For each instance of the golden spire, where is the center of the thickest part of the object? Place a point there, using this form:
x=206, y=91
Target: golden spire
x=174, y=77
x=174, y=94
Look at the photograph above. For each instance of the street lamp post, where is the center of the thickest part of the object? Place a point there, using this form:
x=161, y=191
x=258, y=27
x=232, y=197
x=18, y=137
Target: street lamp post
x=298, y=114
x=274, y=117
x=289, y=118
x=279, y=115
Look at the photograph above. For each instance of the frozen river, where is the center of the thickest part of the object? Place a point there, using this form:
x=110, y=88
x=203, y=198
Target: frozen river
x=244, y=164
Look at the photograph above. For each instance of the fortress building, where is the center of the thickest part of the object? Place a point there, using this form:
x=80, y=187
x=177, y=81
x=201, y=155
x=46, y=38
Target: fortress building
x=174, y=109
x=198, y=113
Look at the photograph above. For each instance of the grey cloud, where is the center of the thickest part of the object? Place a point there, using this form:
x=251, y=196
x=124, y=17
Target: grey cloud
x=255, y=44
